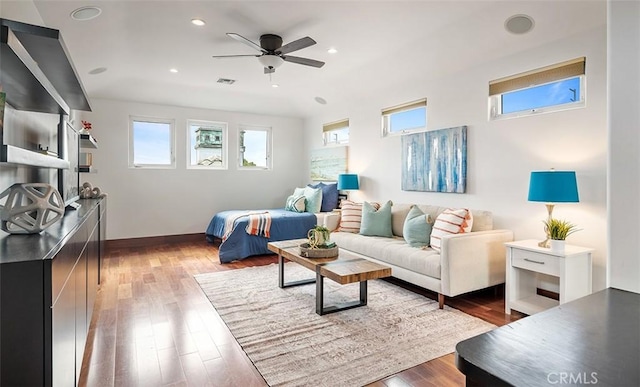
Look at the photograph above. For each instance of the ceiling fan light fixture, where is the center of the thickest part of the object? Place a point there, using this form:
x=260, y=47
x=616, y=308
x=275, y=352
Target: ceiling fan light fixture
x=198, y=22
x=270, y=61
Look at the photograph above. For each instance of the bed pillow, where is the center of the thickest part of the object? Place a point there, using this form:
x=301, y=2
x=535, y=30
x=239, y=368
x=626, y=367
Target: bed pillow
x=376, y=221
x=450, y=221
x=295, y=203
x=329, y=196
x=417, y=228
x=314, y=199
x=298, y=191
x=351, y=216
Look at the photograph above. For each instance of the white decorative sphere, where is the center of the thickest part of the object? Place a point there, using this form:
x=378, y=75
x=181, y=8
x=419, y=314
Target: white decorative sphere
x=30, y=208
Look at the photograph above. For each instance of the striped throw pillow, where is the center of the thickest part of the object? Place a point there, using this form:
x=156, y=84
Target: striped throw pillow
x=450, y=221
x=351, y=216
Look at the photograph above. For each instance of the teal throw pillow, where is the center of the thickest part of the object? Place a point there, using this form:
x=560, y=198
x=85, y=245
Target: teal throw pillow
x=295, y=203
x=314, y=199
x=417, y=228
x=376, y=223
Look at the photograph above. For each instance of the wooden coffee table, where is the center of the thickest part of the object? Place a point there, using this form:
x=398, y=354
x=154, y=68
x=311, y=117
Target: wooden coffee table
x=344, y=269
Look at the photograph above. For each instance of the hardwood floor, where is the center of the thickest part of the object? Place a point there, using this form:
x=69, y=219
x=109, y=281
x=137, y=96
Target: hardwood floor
x=153, y=326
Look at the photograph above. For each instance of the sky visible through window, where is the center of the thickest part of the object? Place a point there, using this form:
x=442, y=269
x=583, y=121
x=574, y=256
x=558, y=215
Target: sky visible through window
x=551, y=94
x=151, y=143
x=410, y=119
x=255, y=142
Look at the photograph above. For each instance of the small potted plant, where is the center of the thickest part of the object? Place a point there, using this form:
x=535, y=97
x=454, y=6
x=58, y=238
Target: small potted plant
x=558, y=230
x=318, y=236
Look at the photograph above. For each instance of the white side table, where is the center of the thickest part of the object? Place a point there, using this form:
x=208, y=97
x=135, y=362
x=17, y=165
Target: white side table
x=525, y=259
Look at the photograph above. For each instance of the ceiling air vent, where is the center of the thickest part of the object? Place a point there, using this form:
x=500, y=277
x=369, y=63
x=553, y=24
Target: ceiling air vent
x=226, y=81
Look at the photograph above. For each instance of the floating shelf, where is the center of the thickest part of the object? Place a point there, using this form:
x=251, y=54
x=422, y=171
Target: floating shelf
x=15, y=155
x=87, y=141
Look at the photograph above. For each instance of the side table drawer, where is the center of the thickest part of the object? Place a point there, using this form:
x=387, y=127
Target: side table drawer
x=541, y=263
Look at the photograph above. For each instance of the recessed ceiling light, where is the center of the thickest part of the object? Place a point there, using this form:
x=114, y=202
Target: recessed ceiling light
x=86, y=13
x=332, y=50
x=98, y=70
x=198, y=22
x=519, y=24
x=173, y=70
x=275, y=85
x=321, y=100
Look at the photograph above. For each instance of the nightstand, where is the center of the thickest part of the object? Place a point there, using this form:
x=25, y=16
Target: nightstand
x=525, y=260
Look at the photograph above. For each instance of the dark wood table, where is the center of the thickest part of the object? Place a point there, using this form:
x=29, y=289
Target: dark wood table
x=594, y=340
x=344, y=269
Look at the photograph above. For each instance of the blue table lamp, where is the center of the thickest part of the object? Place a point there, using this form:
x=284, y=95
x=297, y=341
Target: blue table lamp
x=553, y=187
x=348, y=181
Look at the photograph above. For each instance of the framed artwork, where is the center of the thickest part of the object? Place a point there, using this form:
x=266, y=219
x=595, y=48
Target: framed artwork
x=435, y=161
x=327, y=163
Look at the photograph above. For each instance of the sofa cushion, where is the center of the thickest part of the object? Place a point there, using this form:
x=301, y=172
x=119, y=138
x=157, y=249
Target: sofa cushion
x=394, y=251
x=450, y=221
x=351, y=216
x=417, y=228
x=376, y=221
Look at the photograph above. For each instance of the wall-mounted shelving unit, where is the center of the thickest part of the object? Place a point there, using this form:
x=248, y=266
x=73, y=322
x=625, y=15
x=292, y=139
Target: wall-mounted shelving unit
x=37, y=75
x=87, y=141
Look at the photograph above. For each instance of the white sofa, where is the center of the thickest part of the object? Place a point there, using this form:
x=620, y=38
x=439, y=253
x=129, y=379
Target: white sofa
x=466, y=262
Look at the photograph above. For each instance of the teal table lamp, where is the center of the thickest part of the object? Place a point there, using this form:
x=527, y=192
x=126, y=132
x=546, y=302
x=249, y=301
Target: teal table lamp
x=553, y=187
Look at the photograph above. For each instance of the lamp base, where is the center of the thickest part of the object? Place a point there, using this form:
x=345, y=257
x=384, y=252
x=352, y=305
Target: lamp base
x=545, y=243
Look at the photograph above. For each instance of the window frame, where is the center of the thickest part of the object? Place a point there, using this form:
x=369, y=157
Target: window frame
x=387, y=113
x=225, y=144
x=332, y=127
x=269, y=147
x=559, y=72
x=172, y=141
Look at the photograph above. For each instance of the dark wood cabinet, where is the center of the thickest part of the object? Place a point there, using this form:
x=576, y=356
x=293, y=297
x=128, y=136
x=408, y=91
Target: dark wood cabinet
x=48, y=288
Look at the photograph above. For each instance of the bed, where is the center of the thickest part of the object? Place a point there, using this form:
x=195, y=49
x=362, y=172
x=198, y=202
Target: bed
x=305, y=208
x=238, y=244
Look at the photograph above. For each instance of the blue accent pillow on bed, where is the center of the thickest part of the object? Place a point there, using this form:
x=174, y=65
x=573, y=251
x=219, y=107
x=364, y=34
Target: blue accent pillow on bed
x=329, y=196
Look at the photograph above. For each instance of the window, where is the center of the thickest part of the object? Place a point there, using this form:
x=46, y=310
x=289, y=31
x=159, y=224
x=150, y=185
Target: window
x=405, y=118
x=207, y=145
x=336, y=132
x=552, y=88
x=151, y=143
x=254, y=147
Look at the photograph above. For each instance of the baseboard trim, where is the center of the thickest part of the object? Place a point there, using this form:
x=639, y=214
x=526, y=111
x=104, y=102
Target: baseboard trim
x=153, y=241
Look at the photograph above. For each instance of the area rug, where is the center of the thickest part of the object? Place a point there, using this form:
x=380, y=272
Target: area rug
x=291, y=345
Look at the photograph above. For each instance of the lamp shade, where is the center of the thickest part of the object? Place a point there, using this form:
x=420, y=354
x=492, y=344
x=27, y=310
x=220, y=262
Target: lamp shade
x=348, y=181
x=553, y=187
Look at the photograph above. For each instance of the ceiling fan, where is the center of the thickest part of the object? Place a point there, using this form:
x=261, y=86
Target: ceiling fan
x=273, y=53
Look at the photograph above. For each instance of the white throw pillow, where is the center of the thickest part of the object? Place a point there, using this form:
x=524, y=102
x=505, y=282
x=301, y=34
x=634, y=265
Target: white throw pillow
x=450, y=221
x=351, y=216
x=295, y=203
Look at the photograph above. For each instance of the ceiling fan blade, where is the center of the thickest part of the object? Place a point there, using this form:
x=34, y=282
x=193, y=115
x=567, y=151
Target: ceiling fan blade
x=244, y=40
x=303, y=61
x=233, y=56
x=296, y=45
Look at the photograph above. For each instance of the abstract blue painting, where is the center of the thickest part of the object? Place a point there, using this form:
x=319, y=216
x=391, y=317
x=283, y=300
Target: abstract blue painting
x=435, y=161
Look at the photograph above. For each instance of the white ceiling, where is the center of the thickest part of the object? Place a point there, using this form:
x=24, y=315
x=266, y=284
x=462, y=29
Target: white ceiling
x=380, y=44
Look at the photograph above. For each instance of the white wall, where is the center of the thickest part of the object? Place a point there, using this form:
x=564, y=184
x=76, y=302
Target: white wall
x=144, y=202
x=501, y=154
x=624, y=144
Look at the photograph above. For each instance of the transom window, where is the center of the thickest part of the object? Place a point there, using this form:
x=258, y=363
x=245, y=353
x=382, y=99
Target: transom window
x=336, y=132
x=552, y=88
x=254, y=147
x=151, y=143
x=207, y=145
x=405, y=118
